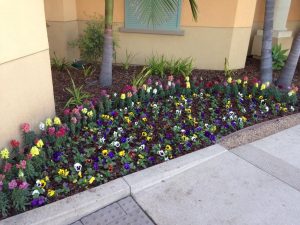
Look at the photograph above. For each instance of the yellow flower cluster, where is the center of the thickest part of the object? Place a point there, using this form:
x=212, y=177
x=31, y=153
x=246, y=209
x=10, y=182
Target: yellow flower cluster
x=122, y=153
x=51, y=193
x=92, y=179
x=104, y=152
x=127, y=119
x=84, y=110
x=34, y=151
x=56, y=121
x=123, y=96
x=48, y=122
x=63, y=172
x=39, y=143
x=4, y=153
x=90, y=114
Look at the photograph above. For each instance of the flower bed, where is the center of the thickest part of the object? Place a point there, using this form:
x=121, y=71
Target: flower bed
x=102, y=140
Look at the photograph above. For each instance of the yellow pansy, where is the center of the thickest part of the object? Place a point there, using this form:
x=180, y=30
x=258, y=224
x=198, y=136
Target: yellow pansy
x=263, y=87
x=123, y=96
x=90, y=114
x=144, y=119
x=92, y=179
x=244, y=119
x=149, y=138
x=80, y=174
x=48, y=122
x=168, y=148
x=256, y=85
x=40, y=143
x=141, y=156
x=47, y=178
x=122, y=153
x=229, y=80
x=63, y=172
x=43, y=183
x=51, y=193
x=4, y=153
x=144, y=134
x=104, y=152
x=56, y=121
x=239, y=81
x=34, y=151
x=84, y=110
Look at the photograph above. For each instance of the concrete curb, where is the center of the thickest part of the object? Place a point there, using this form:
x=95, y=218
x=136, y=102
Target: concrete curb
x=146, y=178
x=73, y=208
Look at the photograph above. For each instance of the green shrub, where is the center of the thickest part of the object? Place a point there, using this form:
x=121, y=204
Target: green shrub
x=90, y=43
x=139, y=79
x=128, y=60
x=88, y=71
x=279, y=57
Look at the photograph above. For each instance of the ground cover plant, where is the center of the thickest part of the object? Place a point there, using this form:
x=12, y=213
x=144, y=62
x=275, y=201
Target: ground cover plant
x=121, y=133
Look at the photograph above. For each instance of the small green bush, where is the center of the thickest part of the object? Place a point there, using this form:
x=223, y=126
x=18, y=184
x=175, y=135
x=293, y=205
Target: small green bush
x=180, y=67
x=157, y=65
x=59, y=64
x=279, y=57
x=90, y=43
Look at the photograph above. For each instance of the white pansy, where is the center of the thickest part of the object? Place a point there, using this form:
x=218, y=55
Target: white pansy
x=115, y=94
x=142, y=147
x=120, y=129
x=169, y=83
x=115, y=134
x=166, y=158
x=38, y=183
x=77, y=167
x=182, y=130
x=155, y=91
x=102, y=140
x=154, y=106
x=161, y=153
x=178, y=112
x=116, y=144
x=42, y=126
x=292, y=108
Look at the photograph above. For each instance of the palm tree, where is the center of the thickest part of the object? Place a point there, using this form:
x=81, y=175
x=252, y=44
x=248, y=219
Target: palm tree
x=266, y=51
x=152, y=11
x=287, y=74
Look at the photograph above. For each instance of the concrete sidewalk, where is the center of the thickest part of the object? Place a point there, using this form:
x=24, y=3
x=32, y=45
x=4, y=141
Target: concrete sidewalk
x=254, y=184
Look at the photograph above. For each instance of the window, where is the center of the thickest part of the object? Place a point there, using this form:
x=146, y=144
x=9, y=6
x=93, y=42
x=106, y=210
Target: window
x=132, y=23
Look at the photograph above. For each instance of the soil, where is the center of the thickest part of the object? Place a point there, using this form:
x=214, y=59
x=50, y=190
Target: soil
x=122, y=77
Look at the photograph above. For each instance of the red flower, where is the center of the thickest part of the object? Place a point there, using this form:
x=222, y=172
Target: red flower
x=209, y=84
x=61, y=132
x=245, y=78
x=131, y=154
x=14, y=143
x=29, y=156
x=110, y=168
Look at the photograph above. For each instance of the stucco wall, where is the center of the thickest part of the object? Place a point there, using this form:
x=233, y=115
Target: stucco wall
x=26, y=93
x=222, y=28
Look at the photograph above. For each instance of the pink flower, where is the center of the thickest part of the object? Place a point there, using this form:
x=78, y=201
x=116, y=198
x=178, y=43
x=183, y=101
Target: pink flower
x=2, y=176
x=23, y=185
x=7, y=167
x=76, y=111
x=22, y=165
x=73, y=120
x=13, y=184
x=15, y=143
x=67, y=112
x=51, y=131
x=25, y=127
x=103, y=93
x=149, y=81
x=134, y=89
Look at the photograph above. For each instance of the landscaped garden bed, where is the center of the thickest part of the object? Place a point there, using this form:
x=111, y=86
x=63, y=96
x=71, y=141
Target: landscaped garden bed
x=119, y=133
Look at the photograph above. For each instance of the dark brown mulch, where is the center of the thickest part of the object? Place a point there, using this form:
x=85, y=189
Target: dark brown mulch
x=121, y=77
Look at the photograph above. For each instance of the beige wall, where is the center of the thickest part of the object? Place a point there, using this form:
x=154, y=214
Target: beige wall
x=222, y=28
x=26, y=93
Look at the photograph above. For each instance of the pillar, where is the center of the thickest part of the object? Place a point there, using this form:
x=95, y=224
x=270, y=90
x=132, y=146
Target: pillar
x=280, y=33
x=26, y=93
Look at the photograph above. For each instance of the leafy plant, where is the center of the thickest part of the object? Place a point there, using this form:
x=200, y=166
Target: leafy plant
x=88, y=71
x=139, y=79
x=77, y=95
x=279, y=57
x=59, y=64
x=4, y=205
x=20, y=199
x=128, y=60
x=180, y=67
x=91, y=42
x=157, y=65
x=228, y=72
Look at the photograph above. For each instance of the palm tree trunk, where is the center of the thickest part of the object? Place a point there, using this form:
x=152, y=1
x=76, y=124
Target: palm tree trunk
x=107, y=58
x=266, y=70
x=288, y=72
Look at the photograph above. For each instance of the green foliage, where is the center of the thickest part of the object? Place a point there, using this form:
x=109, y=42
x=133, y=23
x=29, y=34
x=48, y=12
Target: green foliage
x=4, y=206
x=88, y=71
x=91, y=42
x=19, y=199
x=180, y=67
x=59, y=64
x=228, y=72
x=140, y=78
x=279, y=57
x=128, y=60
x=157, y=65
x=77, y=95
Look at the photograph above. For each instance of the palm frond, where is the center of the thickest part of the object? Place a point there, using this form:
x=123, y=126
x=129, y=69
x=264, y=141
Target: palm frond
x=194, y=8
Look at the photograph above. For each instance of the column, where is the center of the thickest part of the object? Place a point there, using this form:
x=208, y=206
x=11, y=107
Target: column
x=280, y=33
x=26, y=93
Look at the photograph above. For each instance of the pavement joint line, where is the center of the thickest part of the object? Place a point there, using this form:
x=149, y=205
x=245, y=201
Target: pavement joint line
x=143, y=210
x=265, y=170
